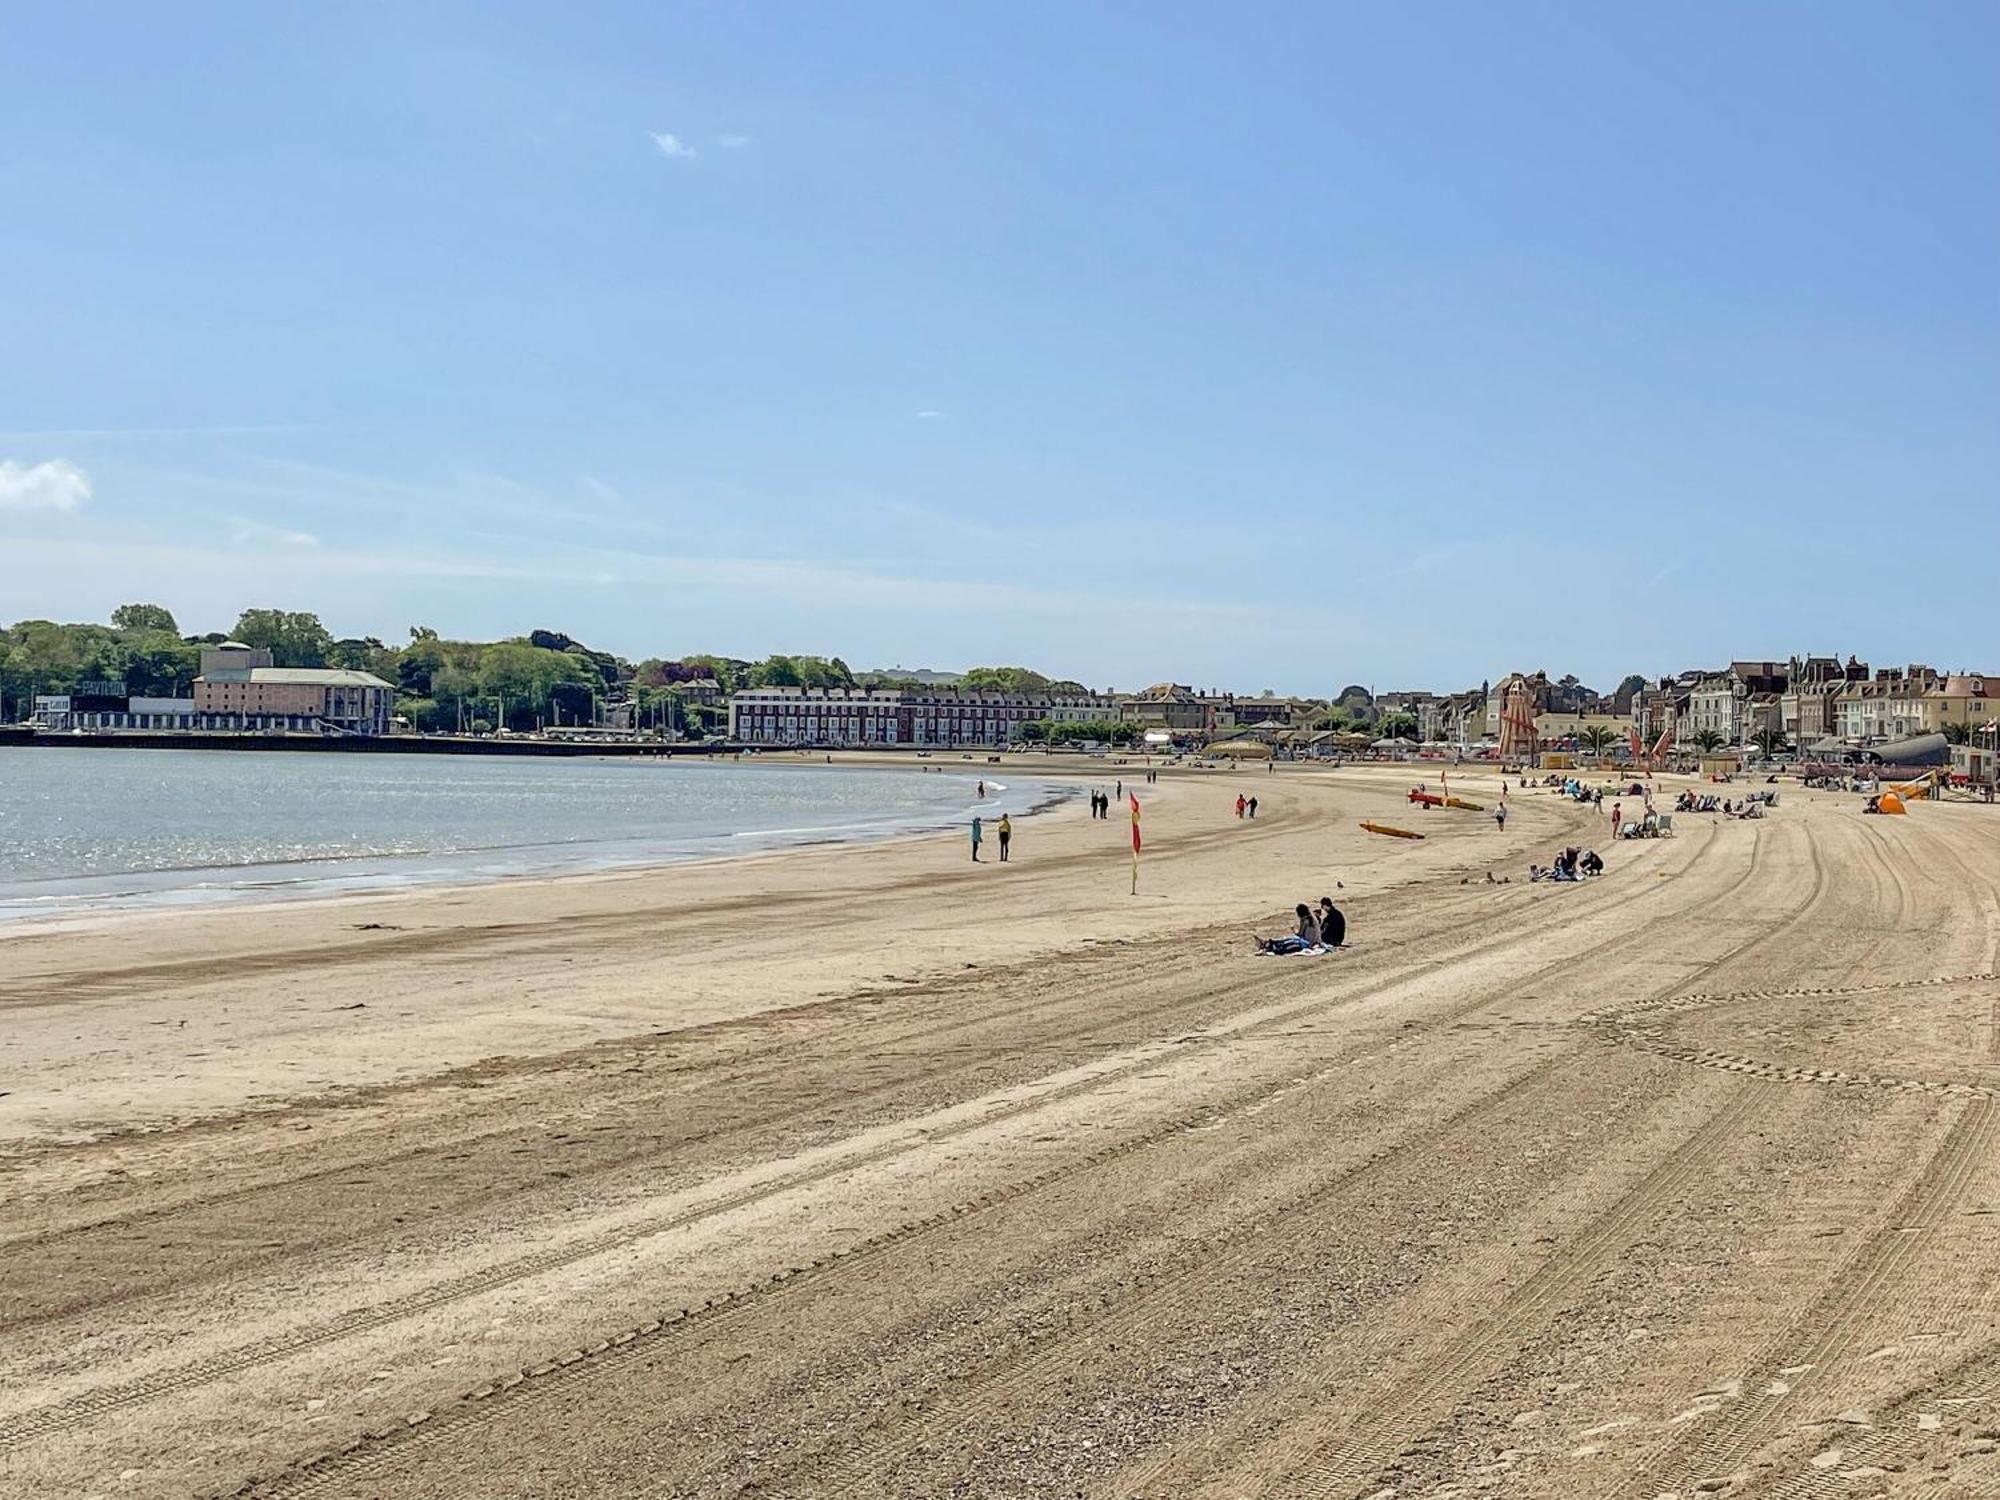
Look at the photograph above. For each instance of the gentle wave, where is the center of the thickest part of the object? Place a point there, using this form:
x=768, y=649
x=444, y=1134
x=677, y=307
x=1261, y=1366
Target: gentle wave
x=98, y=828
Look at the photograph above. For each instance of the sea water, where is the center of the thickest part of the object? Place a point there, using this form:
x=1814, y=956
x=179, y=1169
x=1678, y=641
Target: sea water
x=84, y=828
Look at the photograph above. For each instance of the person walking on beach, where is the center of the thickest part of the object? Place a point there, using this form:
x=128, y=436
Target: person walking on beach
x=1500, y=816
x=982, y=786
x=1120, y=796
x=1240, y=804
x=1617, y=818
x=977, y=834
x=1253, y=809
x=1006, y=836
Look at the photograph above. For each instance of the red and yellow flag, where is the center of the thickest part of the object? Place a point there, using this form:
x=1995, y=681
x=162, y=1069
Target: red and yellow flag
x=1135, y=824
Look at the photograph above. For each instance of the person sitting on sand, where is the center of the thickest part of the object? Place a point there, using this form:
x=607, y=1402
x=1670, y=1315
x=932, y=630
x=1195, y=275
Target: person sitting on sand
x=1332, y=925
x=1303, y=940
x=1591, y=864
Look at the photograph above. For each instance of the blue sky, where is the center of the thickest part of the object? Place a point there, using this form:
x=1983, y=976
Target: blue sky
x=1249, y=346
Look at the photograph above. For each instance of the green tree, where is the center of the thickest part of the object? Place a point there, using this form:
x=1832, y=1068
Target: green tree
x=161, y=664
x=44, y=657
x=364, y=654
x=1399, y=727
x=721, y=668
x=144, y=617
x=1003, y=680
x=1597, y=737
x=801, y=671
x=777, y=671
x=294, y=638
x=1340, y=721
x=425, y=714
x=1771, y=741
x=524, y=679
x=1958, y=731
x=1706, y=740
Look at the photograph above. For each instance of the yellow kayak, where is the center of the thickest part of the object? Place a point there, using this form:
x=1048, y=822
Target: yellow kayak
x=1468, y=806
x=1394, y=833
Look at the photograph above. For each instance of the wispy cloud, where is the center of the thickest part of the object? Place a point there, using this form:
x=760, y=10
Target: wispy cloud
x=1666, y=571
x=672, y=145
x=930, y=416
x=732, y=142
x=249, y=533
x=962, y=526
x=54, y=484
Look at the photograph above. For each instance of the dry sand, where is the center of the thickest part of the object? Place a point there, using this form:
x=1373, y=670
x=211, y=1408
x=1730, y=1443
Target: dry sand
x=869, y=1172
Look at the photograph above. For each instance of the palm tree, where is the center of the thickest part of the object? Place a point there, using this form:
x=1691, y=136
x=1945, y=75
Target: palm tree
x=1706, y=740
x=1958, y=731
x=1598, y=737
x=1771, y=741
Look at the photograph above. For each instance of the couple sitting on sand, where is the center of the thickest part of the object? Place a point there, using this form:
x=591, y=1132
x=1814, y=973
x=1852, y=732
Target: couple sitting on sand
x=1316, y=932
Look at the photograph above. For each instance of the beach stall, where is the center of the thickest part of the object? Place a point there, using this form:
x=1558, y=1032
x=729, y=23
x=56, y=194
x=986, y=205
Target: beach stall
x=1241, y=749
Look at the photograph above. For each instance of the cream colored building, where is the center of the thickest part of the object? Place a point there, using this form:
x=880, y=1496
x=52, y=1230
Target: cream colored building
x=1970, y=698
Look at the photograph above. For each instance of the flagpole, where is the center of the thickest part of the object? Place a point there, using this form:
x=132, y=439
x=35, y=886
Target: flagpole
x=1135, y=843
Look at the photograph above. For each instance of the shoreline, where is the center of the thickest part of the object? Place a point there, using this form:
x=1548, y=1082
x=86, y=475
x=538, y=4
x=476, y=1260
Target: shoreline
x=334, y=878
x=149, y=1019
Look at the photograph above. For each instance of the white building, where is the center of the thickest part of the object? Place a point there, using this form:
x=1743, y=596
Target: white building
x=941, y=717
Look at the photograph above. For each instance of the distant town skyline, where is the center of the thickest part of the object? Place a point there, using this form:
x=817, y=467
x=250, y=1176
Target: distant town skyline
x=1132, y=344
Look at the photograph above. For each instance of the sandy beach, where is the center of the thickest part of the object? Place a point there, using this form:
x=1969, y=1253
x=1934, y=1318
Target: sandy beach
x=868, y=1171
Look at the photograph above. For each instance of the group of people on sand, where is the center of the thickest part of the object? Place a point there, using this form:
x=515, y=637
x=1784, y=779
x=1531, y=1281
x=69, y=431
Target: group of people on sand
x=1572, y=864
x=1245, y=805
x=1316, y=932
x=1100, y=804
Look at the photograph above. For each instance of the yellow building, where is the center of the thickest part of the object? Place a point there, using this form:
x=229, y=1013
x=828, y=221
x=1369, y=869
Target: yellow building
x=1555, y=727
x=1969, y=698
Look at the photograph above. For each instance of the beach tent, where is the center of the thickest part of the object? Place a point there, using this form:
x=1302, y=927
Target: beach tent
x=1241, y=749
x=1889, y=802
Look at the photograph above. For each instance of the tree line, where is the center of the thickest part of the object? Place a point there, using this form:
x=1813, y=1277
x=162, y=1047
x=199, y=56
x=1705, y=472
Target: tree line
x=524, y=682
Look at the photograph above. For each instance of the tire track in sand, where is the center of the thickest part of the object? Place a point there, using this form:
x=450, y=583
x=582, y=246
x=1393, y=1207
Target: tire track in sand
x=1343, y=1449
x=44, y=1421
x=1350, y=1462
x=1824, y=1333
x=435, y=1425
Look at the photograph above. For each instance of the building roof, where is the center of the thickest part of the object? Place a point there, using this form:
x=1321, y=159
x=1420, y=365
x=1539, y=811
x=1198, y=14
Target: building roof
x=297, y=676
x=1967, y=685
